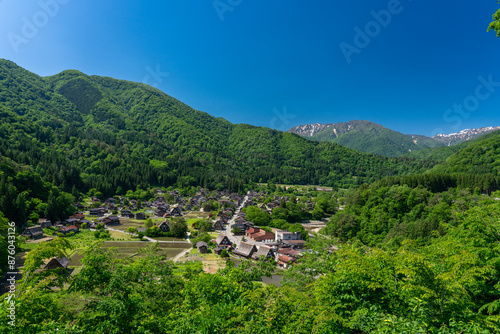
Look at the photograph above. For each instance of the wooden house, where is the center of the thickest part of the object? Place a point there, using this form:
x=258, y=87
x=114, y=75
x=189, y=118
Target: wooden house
x=140, y=216
x=68, y=229
x=82, y=221
x=223, y=241
x=285, y=261
x=56, y=263
x=71, y=221
x=176, y=211
x=245, y=250
x=99, y=212
x=35, y=232
x=218, y=225
x=202, y=247
x=257, y=234
x=44, y=222
x=164, y=226
x=111, y=220
x=265, y=251
x=127, y=213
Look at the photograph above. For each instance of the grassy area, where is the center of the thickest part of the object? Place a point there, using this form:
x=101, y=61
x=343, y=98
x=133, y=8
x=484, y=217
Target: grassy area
x=130, y=248
x=211, y=262
x=120, y=236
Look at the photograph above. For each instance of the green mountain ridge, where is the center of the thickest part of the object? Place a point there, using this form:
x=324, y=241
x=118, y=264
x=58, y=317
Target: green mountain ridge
x=80, y=132
x=442, y=153
x=367, y=137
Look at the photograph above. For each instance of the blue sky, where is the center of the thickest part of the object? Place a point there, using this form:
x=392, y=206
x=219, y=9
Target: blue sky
x=423, y=67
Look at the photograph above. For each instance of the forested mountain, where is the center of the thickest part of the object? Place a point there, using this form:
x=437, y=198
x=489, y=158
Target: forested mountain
x=444, y=152
x=80, y=132
x=373, y=138
x=481, y=157
x=366, y=137
x=464, y=135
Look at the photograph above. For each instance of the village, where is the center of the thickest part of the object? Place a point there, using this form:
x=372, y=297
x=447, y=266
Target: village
x=227, y=231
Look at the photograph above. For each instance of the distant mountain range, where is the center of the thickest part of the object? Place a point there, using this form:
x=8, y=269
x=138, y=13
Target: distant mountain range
x=373, y=138
x=81, y=132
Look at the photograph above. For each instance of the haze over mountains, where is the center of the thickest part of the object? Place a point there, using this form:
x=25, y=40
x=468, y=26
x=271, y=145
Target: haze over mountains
x=373, y=138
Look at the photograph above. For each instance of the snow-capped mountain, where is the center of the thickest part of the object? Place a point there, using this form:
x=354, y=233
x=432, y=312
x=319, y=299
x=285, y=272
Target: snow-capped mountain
x=374, y=138
x=309, y=130
x=464, y=135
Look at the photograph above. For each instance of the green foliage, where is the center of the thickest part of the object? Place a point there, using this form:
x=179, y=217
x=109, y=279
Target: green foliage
x=153, y=231
x=148, y=222
x=202, y=237
x=33, y=277
x=203, y=225
x=257, y=216
x=447, y=286
x=386, y=215
x=178, y=227
x=495, y=24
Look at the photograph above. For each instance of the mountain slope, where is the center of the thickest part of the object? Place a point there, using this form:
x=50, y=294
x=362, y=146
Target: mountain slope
x=479, y=157
x=464, y=135
x=366, y=137
x=80, y=132
x=444, y=152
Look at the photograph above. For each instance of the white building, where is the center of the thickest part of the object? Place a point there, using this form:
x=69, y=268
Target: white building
x=284, y=235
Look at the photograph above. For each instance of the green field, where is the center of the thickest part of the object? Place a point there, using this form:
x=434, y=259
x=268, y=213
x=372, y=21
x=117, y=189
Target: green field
x=130, y=248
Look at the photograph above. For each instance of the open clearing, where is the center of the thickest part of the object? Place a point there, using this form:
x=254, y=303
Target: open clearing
x=131, y=248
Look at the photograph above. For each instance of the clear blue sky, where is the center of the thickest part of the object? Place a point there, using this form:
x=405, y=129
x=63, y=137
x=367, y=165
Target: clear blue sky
x=278, y=63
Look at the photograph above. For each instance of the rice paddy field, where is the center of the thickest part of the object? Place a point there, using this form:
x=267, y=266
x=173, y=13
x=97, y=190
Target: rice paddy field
x=130, y=248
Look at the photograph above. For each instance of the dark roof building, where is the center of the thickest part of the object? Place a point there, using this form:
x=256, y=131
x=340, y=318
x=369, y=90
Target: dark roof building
x=245, y=250
x=35, y=232
x=55, y=263
x=202, y=247
x=265, y=251
x=223, y=241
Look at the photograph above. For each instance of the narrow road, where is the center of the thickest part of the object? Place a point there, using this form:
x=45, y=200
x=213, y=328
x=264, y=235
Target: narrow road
x=235, y=239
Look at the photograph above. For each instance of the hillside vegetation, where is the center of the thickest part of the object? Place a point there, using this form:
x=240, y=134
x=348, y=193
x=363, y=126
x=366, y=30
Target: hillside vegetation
x=370, y=137
x=81, y=132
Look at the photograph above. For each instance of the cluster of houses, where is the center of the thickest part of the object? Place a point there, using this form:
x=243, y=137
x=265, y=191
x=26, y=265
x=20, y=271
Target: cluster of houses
x=284, y=247
x=71, y=224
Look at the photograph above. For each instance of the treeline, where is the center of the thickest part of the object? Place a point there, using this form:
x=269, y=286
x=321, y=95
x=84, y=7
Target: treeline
x=484, y=183
x=25, y=197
